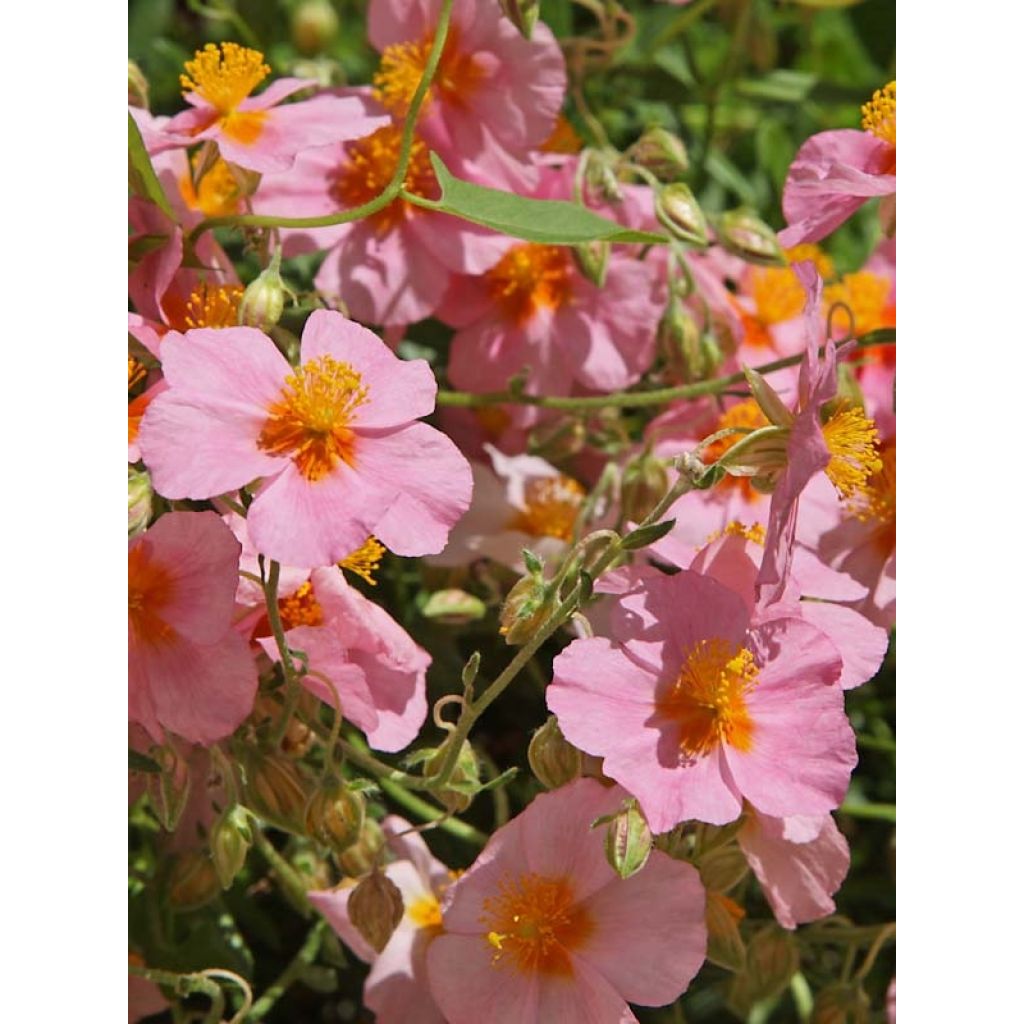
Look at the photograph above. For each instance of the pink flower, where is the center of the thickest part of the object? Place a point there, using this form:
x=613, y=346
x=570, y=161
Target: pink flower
x=800, y=863
x=540, y=928
x=835, y=173
x=187, y=670
x=534, y=312
x=334, y=442
x=258, y=132
x=396, y=988
x=694, y=707
x=495, y=96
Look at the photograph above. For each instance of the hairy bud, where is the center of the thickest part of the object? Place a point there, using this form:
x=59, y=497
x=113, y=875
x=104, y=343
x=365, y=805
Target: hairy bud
x=677, y=208
x=230, y=839
x=592, y=260
x=314, y=26
x=628, y=841
x=644, y=483
x=553, y=759
x=263, y=301
x=747, y=236
x=277, y=791
x=375, y=908
x=362, y=854
x=140, y=501
x=138, y=87
x=335, y=815
x=464, y=781
x=528, y=604
x=661, y=153
x=841, y=1004
x=453, y=607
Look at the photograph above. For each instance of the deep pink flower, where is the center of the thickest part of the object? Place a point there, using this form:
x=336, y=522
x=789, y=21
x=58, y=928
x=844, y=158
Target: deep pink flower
x=835, y=173
x=694, y=707
x=334, y=442
x=396, y=988
x=259, y=133
x=541, y=929
x=187, y=670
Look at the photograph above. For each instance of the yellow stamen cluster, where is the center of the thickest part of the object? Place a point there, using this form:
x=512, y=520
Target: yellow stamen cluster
x=529, y=278
x=866, y=295
x=365, y=560
x=425, y=912
x=224, y=75
x=309, y=421
x=709, y=698
x=551, y=505
x=534, y=923
x=136, y=372
x=218, y=194
x=755, y=532
x=876, y=501
x=301, y=608
x=400, y=71
x=213, y=305
x=852, y=441
x=878, y=115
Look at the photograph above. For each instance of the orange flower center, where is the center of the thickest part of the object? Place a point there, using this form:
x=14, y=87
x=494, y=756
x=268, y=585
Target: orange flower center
x=534, y=924
x=224, y=75
x=852, y=441
x=301, y=608
x=746, y=415
x=136, y=372
x=777, y=292
x=551, y=506
x=529, y=278
x=368, y=169
x=218, y=194
x=878, y=115
x=709, y=698
x=458, y=74
x=866, y=295
x=309, y=421
x=150, y=590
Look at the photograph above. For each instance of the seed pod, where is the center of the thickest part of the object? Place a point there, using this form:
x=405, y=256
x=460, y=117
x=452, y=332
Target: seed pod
x=277, y=791
x=192, y=881
x=628, y=841
x=841, y=1004
x=375, y=908
x=335, y=815
x=362, y=854
x=553, y=759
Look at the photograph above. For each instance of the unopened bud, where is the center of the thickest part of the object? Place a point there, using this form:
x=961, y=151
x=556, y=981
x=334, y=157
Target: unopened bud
x=138, y=87
x=464, y=780
x=362, y=854
x=314, y=26
x=628, y=841
x=723, y=869
x=375, y=908
x=679, y=342
x=677, y=208
x=599, y=178
x=661, y=153
x=553, y=759
x=140, y=501
x=557, y=439
x=522, y=13
x=747, y=236
x=277, y=791
x=772, y=959
x=592, y=260
x=644, y=483
x=192, y=881
x=725, y=943
x=263, y=301
x=170, y=789
x=841, y=1004
x=335, y=815
x=230, y=839
x=528, y=604
x=453, y=607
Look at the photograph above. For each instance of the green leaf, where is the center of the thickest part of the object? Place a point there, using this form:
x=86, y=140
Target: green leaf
x=550, y=221
x=781, y=85
x=142, y=179
x=140, y=763
x=645, y=535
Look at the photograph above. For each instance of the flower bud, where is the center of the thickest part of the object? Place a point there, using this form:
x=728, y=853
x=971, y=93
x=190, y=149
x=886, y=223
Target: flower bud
x=140, y=501
x=772, y=959
x=528, y=604
x=628, y=841
x=723, y=869
x=592, y=260
x=230, y=839
x=464, y=781
x=192, y=881
x=375, y=908
x=679, y=342
x=277, y=791
x=553, y=759
x=557, y=439
x=661, y=153
x=138, y=87
x=335, y=815
x=725, y=943
x=522, y=13
x=263, y=301
x=599, y=178
x=314, y=26
x=453, y=607
x=677, y=208
x=362, y=854
x=747, y=236
x=170, y=789
x=841, y=1004
x=644, y=483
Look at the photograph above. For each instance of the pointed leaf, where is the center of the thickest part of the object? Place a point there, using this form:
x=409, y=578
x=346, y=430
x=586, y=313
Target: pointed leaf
x=142, y=179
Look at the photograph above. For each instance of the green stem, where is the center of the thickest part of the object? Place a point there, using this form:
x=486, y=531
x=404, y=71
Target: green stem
x=877, y=812
x=454, y=826
x=393, y=187
x=291, y=682
x=887, y=934
x=285, y=872
x=302, y=959
x=689, y=17
x=381, y=771
x=634, y=399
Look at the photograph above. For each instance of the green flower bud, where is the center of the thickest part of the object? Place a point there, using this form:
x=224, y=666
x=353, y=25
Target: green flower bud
x=772, y=959
x=263, y=301
x=628, y=841
x=677, y=208
x=661, y=153
x=522, y=13
x=464, y=781
x=314, y=26
x=747, y=236
x=138, y=87
x=592, y=260
x=553, y=759
x=528, y=604
x=140, y=501
x=375, y=908
x=169, y=790
x=558, y=439
x=335, y=815
x=723, y=869
x=453, y=607
x=230, y=839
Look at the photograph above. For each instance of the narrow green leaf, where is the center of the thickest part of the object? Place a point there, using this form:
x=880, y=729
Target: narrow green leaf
x=550, y=221
x=645, y=535
x=142, y=179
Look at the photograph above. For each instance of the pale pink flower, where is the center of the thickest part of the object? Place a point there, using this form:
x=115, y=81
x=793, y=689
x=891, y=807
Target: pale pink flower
x=800, y=862
x=187, y=670
x=334, y=442
x=835, y=173
x=260, y=133
x=396, y=988
x=694, y=707
x=541, y=929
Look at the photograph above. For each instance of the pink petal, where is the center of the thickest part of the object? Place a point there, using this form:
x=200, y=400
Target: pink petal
x=861, y=643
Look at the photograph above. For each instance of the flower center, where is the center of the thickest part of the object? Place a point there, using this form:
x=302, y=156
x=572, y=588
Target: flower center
x=458, y=74
x=213, y=305
x=224, y=75
x=218, y=194
x=551, y=506
x=867, y=296
x=777, y=292
x=709, y=698
x=301, y=608
x=425, y=912
x=309, y=421
x=529, y=278
x=368, y=169
x=878, y=115
x=534, y=923
x=748, y=416
x=365, y=560
x=876, y=503
x=852, y=441
x=755, y=532
x=150, y=590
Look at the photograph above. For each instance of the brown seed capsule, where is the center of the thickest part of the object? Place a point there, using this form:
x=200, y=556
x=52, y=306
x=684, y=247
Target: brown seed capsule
x=192, y=881
x=335, y=816
x=277, y=791
x=375, y=908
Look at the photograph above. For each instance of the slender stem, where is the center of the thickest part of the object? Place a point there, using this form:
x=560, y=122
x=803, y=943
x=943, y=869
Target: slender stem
x=291, y=682
x=887, y=934
x=877, y=812
x=393, y=187
x=633, y=399
x=303, y=958
x=411, y=802
x=383, y=772
x=285, y=872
